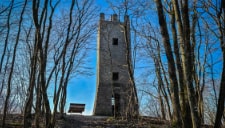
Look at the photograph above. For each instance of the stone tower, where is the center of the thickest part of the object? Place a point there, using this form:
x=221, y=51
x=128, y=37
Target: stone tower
x=112, y=71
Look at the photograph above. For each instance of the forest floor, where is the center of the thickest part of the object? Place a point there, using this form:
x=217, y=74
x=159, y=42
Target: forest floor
x=80, y=121
x=73, y=121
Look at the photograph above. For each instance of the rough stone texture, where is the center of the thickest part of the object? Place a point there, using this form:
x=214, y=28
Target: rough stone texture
x=111, y=58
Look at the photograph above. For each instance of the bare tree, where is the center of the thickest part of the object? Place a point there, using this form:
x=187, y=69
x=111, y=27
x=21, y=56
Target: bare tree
x=67, y=50
x=68, y=61
x=153, y=50
x=171, y=65
x=220, y=20
x=10, y=77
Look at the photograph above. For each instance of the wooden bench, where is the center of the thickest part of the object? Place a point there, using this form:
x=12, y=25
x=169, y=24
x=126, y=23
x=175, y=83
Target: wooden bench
x=76, y=108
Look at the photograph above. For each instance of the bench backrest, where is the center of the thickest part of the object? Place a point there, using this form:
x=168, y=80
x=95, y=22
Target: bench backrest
x=76, y=108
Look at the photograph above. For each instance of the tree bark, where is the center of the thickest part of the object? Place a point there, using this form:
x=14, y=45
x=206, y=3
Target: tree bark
x=6, y=105
x=1, y=64
x=183, y=92
x=177, y=119
x=133, y=106
x=221, y=99
x=186, y=55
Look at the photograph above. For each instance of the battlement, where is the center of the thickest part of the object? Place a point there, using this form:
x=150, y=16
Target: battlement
x=114, y=18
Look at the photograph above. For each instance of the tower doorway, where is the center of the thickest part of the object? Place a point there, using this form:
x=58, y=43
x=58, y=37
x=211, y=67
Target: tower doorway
x=116, y=104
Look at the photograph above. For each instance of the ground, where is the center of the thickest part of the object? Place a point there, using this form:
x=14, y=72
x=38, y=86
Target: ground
x=109, y=122
x=81, y=121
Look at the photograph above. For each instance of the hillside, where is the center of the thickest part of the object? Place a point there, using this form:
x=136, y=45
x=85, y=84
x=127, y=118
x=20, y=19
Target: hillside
x=80, y=121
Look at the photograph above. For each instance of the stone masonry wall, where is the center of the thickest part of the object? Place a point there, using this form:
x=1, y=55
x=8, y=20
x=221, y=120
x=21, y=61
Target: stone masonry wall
x=110, y=58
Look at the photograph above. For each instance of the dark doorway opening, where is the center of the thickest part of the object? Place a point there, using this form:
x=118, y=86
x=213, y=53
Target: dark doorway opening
x=116, y=105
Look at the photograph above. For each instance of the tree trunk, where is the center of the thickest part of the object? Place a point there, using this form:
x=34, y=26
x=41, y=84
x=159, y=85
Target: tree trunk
x=221, y=99
x=29, y=101
x=38, y=104
x=186, y=55
x=5, y=109
x=177, y=119
x=162, y=108
x=6, y=105
x=183, y=93
x=133, y=106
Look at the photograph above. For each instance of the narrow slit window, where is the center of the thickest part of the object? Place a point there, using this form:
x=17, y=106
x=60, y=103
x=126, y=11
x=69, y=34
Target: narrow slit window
x=115, y=76
x=115, y=41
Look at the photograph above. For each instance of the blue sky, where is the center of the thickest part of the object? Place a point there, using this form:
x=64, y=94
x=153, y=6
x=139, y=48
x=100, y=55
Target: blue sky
x=82, y=89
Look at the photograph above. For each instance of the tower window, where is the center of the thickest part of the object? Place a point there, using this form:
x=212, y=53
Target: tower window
x=115, y=76
x=115, y=41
